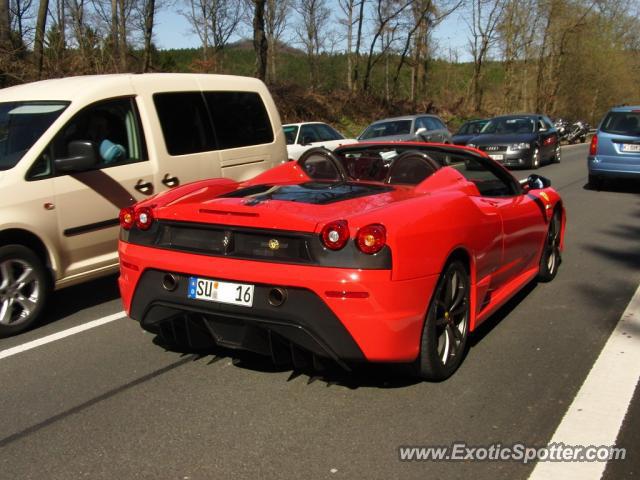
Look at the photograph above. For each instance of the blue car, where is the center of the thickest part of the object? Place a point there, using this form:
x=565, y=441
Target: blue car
x=615, y=148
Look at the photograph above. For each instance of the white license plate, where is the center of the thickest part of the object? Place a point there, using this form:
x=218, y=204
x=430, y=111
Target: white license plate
x=221, y=292
x=630, y=147
x=496, y=157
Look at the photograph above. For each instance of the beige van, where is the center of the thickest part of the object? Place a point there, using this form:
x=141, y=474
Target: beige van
x=74, y=151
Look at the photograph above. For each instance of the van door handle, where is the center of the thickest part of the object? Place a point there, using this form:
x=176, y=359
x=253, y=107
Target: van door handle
x=170, y=181
x=145, y=188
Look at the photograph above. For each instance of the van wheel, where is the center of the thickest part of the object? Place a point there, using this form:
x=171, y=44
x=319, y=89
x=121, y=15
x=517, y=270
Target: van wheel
x=24, y=288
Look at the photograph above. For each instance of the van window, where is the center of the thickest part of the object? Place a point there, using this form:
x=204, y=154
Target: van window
x=21, y=125
x=185, y=122
x=240, y=119
x=112, y=127
x=194, y=122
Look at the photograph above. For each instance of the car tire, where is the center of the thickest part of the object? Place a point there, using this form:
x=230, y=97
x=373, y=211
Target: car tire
x=550, y=258
x=557, y=155
x=446, y=328
x=595, y=182
x=24, y=289
x=535, y=160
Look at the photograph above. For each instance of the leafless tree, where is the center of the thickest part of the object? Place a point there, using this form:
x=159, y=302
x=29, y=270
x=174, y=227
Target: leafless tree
x=144, y=21
x=21, y=15
x=275, y=23
x=485, y=17
x=214, y=21
x=314, y=15
x=349, y=20
x=424, y=15
x=38, y=44
x=356, y=60
x=260, y=44
x=517, y=35
x=386, y=15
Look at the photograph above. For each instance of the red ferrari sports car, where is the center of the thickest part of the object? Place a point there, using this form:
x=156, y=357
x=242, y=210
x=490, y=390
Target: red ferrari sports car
x=380, y=252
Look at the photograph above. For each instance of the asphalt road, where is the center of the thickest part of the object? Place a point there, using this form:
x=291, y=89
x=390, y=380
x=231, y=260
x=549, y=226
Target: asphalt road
x=110, y=403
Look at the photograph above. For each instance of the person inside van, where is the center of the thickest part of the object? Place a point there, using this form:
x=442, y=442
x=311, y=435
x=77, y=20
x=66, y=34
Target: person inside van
x=101, y=132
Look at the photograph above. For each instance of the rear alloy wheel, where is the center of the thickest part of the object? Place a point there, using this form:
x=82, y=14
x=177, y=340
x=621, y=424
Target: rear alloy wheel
x=557, y=155
x=23, y=289
x=446, y=328
x=550, y=259
x=535, y=159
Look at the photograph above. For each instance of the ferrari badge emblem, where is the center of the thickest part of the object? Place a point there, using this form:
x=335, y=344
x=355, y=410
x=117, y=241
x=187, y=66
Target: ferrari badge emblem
x=274, y=244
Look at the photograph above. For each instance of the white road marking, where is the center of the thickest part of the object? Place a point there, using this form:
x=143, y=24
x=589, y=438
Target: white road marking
x=60, y=335
x=597, y=412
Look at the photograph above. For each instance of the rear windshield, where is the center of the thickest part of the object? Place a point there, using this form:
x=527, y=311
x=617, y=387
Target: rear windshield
x=622, y=123
x=21, y=125
x=385, y=129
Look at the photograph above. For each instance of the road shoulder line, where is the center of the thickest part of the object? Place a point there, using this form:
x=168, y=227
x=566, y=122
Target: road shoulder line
x=597, y=412
x=60, y=335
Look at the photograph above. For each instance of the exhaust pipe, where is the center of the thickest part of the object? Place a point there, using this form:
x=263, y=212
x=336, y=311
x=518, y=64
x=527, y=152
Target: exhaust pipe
x=277, y=296
x=169, y=282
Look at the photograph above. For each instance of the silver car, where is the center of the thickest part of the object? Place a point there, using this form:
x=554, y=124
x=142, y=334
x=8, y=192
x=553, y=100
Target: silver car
x=417, y=128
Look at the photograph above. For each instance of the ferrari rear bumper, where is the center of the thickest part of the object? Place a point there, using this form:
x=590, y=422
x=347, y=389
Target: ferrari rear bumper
x=382, y=322
x=289, y=332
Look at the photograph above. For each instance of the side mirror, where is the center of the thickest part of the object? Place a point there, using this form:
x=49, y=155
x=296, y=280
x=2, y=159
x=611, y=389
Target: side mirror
x=82, y=156
x=306, y=141
x=535, y=182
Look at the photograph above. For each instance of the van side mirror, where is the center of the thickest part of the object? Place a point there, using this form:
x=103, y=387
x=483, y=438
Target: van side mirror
x=82, y=156
x=535, y=182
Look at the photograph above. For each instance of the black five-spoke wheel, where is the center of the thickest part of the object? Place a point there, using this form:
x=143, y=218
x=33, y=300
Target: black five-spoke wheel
x=446, y=329
x=550, y=259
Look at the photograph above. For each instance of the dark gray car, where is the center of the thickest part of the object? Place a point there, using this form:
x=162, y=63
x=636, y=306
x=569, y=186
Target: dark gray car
x=411, y=128
x=525, y=140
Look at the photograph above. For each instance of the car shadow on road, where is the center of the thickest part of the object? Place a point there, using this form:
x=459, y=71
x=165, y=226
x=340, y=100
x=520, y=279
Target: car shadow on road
x=368, y=375
x=494, y=320
x=621, y=185
x=70, y=300
x=365, y=375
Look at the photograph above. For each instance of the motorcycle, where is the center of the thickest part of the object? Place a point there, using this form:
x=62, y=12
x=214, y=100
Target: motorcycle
x=562, y=126
x=577, y=132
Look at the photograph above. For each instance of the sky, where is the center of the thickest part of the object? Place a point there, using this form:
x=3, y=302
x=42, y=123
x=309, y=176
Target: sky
x=172, y=30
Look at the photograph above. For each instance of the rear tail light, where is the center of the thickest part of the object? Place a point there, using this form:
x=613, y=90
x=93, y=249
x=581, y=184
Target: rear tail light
x=127, y=217
x=335, y=235
x=593, y=148
x=144, y=218
x=372, y=238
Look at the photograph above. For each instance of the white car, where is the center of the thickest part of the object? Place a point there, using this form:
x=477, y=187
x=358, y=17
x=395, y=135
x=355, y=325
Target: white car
x=303, y=136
